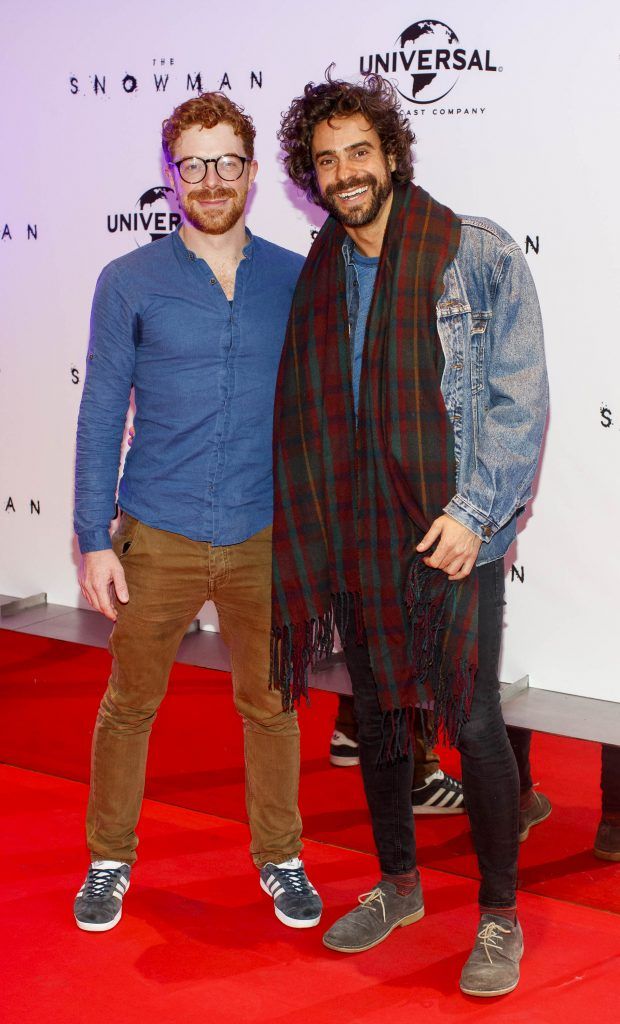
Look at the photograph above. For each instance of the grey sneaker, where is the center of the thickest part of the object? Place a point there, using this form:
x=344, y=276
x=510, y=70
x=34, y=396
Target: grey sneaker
x=493, y=965
x=295, y=900
x=381, y=911
x=538, y=810
x=99, y=903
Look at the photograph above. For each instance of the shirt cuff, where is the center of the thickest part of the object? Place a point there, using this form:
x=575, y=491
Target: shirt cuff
x=94, y=540
x=461, y=510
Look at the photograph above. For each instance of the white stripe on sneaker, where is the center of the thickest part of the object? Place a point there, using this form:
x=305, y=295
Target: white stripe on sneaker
x=434, y=798
x=448, y=798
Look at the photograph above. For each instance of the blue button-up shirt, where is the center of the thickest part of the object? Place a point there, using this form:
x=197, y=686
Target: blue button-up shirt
x=204, y=374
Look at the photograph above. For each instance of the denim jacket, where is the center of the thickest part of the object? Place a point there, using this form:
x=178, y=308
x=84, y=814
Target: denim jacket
x=494, y=382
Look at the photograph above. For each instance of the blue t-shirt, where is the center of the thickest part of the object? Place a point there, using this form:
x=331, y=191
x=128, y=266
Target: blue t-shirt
x=361, y=276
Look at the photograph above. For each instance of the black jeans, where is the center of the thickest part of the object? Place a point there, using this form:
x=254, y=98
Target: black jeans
x=490, y=777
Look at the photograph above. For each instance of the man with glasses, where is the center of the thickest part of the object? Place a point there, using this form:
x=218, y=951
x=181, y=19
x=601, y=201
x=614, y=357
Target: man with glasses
x=195, y=321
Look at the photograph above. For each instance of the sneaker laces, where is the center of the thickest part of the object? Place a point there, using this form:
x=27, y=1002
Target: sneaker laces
x=295, y=877
x=100, y=882
x=374, y=896
x=489, y=935
x=437, y=776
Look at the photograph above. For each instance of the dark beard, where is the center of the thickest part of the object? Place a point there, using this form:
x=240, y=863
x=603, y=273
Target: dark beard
x=380, y=191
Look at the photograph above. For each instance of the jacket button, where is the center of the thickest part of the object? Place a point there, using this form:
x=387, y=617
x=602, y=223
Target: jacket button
x=487, y=531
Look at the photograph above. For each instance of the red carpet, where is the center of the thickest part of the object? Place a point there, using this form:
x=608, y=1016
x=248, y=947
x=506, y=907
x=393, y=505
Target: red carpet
x=198, y=943
x=49, y=694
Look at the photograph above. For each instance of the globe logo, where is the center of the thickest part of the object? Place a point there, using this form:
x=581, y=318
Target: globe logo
x=151, y=218
x=428, y=55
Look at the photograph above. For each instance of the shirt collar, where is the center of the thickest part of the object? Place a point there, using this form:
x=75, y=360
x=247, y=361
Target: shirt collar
x=347, y=250
x=182, y=250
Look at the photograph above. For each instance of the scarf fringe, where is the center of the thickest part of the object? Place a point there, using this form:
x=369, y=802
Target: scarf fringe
x=451, y=710
x=450, y=693
x=297, y=647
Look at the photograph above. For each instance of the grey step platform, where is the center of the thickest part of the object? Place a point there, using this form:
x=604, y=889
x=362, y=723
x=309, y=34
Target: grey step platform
x=542, y=710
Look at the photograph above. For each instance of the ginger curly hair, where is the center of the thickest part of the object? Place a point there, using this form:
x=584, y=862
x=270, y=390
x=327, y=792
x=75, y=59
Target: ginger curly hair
x=376, y=99
x=207, y=110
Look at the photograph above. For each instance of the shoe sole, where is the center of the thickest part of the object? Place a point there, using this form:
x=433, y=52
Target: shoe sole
x=339, y=761
x=537, y=821
x=438, y=810
x=489, y=995
x=291, y=922
x=411, y=919
x=605, y=855
x=92, y=926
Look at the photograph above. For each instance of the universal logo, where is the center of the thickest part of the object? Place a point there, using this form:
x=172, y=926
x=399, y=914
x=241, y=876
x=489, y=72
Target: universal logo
x=428, y=61
x=150, y=219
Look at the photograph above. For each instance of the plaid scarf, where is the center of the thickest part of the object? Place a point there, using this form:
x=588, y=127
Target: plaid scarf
x=351, y=504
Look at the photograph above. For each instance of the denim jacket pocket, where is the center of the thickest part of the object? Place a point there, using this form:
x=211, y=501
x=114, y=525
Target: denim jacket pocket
x=453, y=319
x=479, y=322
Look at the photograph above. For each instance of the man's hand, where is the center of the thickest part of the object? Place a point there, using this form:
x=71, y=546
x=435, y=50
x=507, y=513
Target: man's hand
x=99, y=570
x=456, y=551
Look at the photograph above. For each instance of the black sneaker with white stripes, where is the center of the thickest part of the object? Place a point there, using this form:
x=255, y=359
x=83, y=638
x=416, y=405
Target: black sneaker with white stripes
x=440, y=794
x=295, y=900
x=99, y=903
x=343, y=752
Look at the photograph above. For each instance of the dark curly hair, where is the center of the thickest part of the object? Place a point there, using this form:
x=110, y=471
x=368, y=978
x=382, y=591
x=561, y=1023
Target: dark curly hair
x=376, y=99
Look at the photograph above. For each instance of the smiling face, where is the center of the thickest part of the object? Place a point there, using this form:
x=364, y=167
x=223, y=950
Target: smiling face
x=353, y=174
x=212, y=206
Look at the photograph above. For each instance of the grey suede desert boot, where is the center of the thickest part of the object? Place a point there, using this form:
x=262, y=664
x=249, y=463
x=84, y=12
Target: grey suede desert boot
x=380, y=911
x=493, y=965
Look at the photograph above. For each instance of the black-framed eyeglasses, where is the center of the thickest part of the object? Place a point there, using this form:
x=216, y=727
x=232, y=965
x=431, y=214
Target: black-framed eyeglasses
x=228, y=167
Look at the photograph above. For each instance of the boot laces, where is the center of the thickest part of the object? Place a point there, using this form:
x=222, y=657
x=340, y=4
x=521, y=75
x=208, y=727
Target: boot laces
x=491, y=938
x=374, y=896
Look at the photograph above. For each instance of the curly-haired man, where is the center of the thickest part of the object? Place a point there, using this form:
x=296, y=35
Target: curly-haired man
x=409, y=416
x=196, y=322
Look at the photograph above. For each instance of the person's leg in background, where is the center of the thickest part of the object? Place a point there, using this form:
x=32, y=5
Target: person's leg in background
x=343, y=746
x=433, y=791
x=607, y=842
x=534, y=806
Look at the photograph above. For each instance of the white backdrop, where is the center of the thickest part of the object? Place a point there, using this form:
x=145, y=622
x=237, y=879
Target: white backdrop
x=527, y=135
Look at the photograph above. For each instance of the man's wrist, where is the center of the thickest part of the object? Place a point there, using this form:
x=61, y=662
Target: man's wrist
x=472, y=518
x=94, y=540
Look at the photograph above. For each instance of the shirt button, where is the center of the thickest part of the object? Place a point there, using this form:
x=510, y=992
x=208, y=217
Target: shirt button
x=212, y=280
